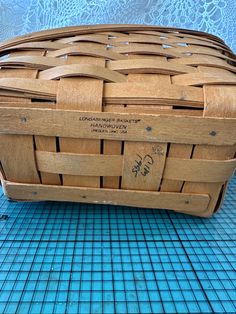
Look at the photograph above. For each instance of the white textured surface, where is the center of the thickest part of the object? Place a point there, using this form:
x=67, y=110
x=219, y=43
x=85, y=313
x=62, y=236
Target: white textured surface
x=213, y=16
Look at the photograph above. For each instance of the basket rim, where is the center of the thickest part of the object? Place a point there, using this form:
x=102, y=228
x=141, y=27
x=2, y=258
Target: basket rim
x=53, y=33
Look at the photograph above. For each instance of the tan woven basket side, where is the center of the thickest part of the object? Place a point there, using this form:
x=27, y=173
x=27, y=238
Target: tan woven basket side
x=121, y=114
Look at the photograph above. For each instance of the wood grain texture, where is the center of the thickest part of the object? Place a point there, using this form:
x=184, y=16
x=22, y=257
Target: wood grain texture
x=176, y=151
x=80, y=164
x=144, y=162
x=209, y=61
x=93, y=71
x=220, y=102
x=111, y=147
x=38, y=62
x=17, y=152
x=121, y=114
x=87, y=50
x=182, y=169
x=17, y=158
x=145, y=65
x=128, y=93
x=199, y=170
x=77, y=124
x=47, y=144
x=81, y=94
x=208, y=76
x=78, y=30
x=166, y=200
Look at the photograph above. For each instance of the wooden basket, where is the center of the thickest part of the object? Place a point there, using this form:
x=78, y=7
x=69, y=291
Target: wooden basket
x=118, y=114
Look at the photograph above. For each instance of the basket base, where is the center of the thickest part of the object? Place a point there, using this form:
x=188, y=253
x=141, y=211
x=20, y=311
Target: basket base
x=193, y=204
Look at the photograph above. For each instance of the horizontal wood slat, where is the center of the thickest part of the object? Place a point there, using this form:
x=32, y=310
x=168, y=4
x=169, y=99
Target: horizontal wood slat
x=96, y=38
x=80, y=164
x=84, y=50
x=31, y=86
x=214, y=62
x=20, y=165
x=112, y=111
x=40, y=63
x=165, y=34
x=195, y=170
x=141, y=93
x=148, y=66
x=145, y=199
x=29, y=104
x=199, y=170
x=93, y=71
x=157, y=38
x=76, y=30
x=129, y=93
x=136, y=127
x=123, y=66
x=141, y=49
x=49, y=45
x=197, y=79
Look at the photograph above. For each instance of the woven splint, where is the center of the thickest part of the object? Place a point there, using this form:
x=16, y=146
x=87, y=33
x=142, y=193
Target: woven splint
x=118, y=114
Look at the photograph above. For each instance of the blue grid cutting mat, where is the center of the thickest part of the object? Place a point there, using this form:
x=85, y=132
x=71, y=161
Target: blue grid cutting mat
x=78, y=258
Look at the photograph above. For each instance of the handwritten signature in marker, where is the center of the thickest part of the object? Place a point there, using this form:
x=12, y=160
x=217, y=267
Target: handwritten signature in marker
x=142, y=165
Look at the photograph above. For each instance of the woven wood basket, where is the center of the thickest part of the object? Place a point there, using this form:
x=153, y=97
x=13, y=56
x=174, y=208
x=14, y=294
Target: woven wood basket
x=118, y=114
